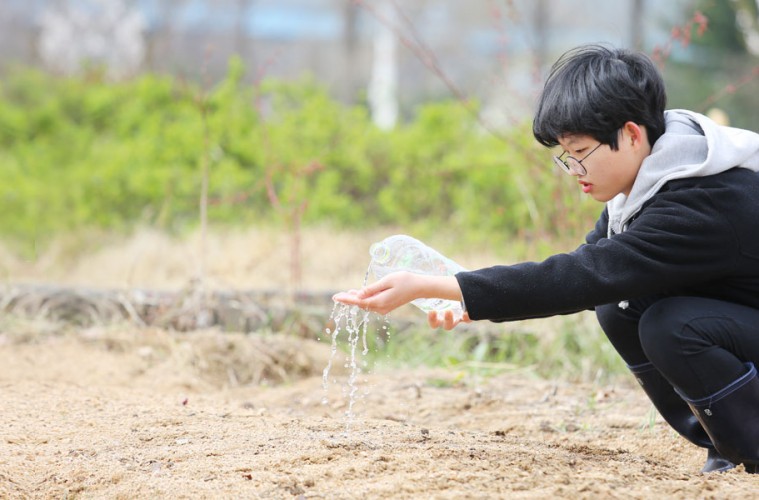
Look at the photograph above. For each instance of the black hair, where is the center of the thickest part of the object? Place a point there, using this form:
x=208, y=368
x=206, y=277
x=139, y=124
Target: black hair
x=595, y=90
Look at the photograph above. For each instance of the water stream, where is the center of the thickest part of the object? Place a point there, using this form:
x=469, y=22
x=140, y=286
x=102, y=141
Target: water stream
x=355, y=323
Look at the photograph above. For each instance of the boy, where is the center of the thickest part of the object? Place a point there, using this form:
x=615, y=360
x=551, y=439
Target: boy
x=672, y=266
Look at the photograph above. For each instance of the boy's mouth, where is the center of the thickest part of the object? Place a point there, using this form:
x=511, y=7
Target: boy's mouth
x=586, y=186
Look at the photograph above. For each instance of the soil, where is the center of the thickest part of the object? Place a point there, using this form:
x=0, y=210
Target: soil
x=130, y=413
x=119, y=412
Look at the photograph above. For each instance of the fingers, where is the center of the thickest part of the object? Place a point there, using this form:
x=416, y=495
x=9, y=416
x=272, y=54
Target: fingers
x=384, y=295
x=351, y=298
x=356, y=297
x=432, y=319
x=449, y=321
x=445, y=319
x=368, y=298
x=374, y=288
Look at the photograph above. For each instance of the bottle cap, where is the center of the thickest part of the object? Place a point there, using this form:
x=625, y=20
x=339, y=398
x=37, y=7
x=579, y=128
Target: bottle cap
x=380, y=253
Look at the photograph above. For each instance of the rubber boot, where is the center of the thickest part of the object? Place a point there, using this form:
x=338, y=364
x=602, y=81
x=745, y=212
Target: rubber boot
x=678, y=414
x=731, y=419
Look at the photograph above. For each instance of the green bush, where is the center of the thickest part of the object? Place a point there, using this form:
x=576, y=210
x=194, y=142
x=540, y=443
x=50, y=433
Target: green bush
x=83, y=152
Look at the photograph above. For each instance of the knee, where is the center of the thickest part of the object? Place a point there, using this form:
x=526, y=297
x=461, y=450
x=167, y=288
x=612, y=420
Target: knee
x=617, y=323
x=660, y=329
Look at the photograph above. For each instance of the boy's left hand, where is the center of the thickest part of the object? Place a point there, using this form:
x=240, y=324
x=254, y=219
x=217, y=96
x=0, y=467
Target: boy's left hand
x=446, y=320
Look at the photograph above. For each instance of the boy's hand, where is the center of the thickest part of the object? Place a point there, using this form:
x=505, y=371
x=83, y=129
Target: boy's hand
x=445, y=320
x=399, y=288
x=385, y=295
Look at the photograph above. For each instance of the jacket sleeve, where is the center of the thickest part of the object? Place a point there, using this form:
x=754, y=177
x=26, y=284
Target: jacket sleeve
x=678, y=239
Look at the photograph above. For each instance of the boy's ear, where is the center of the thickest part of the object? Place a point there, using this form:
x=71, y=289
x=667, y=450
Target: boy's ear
x=634, y=133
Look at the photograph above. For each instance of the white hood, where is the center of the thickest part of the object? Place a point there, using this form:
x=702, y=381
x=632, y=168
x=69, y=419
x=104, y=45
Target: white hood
x=691, y=146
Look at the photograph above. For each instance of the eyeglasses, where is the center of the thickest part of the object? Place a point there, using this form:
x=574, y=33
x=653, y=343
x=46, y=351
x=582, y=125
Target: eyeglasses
x=572, y=165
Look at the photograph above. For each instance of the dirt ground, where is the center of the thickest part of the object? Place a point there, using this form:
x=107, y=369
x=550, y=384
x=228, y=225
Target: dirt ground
x=123, y=413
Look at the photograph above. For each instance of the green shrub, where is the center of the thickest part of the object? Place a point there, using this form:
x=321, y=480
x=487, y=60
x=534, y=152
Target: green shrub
x=83, y=152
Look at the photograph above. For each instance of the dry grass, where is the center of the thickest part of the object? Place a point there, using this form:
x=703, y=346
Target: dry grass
x=254, y=258
x=257, y=259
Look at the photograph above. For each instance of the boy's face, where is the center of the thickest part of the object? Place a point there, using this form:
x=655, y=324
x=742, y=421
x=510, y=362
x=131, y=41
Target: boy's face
x=609, y=172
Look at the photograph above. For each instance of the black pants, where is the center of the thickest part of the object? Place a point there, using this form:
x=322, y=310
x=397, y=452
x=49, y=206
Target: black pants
x=700, y=345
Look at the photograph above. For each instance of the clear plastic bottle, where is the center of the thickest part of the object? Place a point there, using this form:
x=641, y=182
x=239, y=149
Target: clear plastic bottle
x=404, y=253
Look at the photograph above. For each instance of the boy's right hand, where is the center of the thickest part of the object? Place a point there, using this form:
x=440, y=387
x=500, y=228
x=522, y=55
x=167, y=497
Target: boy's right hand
x=383, y=296
x=399, y=288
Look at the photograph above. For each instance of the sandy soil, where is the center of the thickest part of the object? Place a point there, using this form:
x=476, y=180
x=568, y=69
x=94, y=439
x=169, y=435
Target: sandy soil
x=119, y=412
x=124, y=413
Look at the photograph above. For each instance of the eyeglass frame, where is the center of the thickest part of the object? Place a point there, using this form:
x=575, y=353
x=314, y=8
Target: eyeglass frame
x=576, y=167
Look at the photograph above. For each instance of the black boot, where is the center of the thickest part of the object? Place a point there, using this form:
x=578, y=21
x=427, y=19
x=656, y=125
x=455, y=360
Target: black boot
x=678, y=414
x=731, y=419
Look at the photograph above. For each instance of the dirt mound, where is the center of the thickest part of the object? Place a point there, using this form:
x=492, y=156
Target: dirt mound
x=201, y=360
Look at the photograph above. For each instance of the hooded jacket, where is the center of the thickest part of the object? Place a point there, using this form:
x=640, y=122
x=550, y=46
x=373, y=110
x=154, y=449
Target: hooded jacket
x=688, y=227
x=692, y=146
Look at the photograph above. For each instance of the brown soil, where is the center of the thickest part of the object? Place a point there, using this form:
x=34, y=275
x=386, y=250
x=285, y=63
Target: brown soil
x=124, y=413
x=120, y=412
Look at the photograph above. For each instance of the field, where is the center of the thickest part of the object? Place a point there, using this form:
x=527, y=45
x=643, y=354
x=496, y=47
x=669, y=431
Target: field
x=116, y=411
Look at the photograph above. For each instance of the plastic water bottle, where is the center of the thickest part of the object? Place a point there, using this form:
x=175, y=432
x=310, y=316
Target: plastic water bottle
x=404, y=253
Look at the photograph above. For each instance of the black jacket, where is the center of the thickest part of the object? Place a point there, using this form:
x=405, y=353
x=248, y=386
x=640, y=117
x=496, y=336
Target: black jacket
x=695, y=237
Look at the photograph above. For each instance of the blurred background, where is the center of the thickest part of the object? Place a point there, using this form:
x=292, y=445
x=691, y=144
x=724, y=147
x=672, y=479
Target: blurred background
x=266, y=143
x=493, y=50
x=227, y=163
